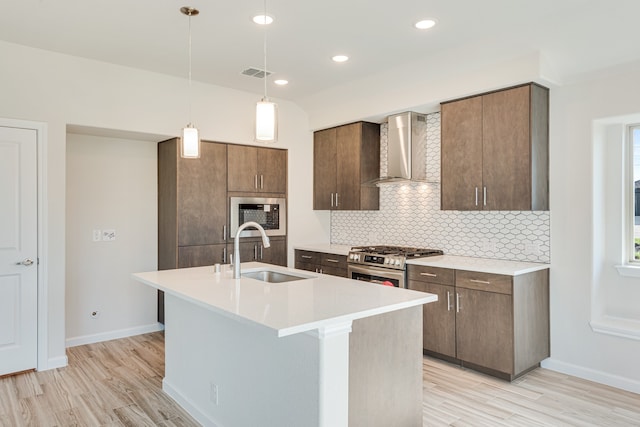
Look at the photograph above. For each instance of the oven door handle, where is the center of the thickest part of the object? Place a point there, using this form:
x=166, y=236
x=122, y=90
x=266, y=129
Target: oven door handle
x=383, y=272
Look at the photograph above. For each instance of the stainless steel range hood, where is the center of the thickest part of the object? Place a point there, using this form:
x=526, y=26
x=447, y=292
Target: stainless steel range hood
x=406, y=149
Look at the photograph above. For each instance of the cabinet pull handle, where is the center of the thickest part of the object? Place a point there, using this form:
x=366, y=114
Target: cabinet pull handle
x=332, y=260
x=484, y=282
x=457, y=303
x=255, y=252
x=331, y=199
x=476, y=196
x=484, y=195
x=337, y=203
x=224, y=233
x=261, y=182
x=255, y=181
x=224, y=255
x=261, y=255
x=448, y=301
x=429, y=274
x=307, y=256
x=321, y=271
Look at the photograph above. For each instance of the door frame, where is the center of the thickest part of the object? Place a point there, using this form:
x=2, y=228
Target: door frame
x=43, y=285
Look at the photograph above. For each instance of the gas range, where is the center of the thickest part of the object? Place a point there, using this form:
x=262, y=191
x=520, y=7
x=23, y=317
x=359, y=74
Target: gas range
x=392, y=257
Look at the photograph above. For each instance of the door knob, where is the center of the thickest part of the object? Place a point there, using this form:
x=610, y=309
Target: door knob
x=26, y=262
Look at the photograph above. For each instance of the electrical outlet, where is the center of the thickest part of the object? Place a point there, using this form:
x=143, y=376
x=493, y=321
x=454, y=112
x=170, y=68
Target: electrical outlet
x=109, y=235
x=97, y=235
x=213, y=395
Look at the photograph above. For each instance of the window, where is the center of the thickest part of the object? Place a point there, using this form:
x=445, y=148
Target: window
x=634, y=142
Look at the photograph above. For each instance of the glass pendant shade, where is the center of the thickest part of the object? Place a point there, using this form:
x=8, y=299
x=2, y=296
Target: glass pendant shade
x=266, y=121
x=190, y=143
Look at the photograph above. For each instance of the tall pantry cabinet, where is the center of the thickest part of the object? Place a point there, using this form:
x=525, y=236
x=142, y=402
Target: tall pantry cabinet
x=192, y=208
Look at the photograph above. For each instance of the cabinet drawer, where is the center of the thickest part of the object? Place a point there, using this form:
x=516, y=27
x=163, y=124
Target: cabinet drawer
x=444, y=276
x=484, y=281
x=307, y=257
x=334, y=261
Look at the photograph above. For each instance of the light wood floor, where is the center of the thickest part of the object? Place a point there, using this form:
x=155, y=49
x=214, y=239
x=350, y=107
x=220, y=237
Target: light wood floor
x=118, y=383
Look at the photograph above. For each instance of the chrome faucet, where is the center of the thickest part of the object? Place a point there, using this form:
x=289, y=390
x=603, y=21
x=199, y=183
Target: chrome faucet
x=236, y=245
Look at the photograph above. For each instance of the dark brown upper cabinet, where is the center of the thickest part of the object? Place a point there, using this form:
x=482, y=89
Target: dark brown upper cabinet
x=495, y=150
x=257, y=169
x=344, y=158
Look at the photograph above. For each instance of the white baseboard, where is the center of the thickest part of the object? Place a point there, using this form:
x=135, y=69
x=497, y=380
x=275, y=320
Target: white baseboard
x=592, y=375
x=113, y=335
x=187, y=405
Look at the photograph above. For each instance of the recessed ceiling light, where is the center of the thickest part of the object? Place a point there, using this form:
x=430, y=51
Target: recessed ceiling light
x=262, y=19
x=340, y=58
x=425, y=24
x=281, y=82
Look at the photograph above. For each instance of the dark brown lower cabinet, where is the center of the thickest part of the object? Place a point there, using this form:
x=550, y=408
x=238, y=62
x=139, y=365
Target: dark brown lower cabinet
x=254, y=250
x=197, y=256
x=321, y=262
x=493, y=323
x=440, y=336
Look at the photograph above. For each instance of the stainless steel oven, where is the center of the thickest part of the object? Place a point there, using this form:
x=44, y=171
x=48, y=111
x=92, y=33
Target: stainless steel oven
x=269, y=212
x=378, y=275
x=384, y=265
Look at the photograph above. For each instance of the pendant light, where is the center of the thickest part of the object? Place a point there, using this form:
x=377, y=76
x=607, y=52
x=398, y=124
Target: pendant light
x=190, y=142
x=266, y=111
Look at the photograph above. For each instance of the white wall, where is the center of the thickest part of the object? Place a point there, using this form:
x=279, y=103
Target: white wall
x=586, y=222
x=111, y=184
x=61, y=90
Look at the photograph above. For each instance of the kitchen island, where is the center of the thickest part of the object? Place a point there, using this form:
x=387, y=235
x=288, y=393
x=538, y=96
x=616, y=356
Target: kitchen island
x=320, y=351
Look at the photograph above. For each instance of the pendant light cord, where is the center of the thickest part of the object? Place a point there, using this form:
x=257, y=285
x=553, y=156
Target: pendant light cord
x=265, y=50
x=190, y=90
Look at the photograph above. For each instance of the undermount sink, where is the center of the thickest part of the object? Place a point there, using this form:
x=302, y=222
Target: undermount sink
x=272, y=276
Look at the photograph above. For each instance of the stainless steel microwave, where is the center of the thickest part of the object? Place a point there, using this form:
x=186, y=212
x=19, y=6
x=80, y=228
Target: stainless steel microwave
x=269, y=212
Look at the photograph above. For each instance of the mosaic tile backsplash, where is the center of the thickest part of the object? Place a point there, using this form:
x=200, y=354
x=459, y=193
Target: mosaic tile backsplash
x=410, y=215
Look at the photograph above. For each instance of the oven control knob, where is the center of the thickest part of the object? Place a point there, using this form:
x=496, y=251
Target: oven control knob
x=397, y=262
x=351, y=256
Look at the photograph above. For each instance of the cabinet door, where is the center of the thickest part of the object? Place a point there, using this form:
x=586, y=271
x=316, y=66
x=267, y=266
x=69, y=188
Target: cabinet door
x=484, y=329
x=438, y=318
x=348, y=139
x=461, y=151
x=272, y=170
x=202, y=196
x=324, y=169
x=506, y=150
x=198, y=256
x=242, y=163
x=248, y=251
x=275, y=254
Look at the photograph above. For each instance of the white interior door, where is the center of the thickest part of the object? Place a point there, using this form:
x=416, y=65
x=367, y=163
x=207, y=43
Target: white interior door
x=18, y=250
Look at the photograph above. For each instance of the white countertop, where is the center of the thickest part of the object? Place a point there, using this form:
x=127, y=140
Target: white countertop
x=288, y=308
x=326, y=248
x=484, y=265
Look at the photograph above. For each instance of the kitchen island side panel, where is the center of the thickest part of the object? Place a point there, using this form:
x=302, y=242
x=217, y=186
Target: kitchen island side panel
x=259, y=379
x=385, y=370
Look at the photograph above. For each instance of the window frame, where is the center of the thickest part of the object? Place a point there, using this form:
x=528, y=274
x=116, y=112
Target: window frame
x=631, y=198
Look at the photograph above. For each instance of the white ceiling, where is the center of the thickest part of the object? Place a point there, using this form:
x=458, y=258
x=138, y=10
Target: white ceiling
x=573, y=36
